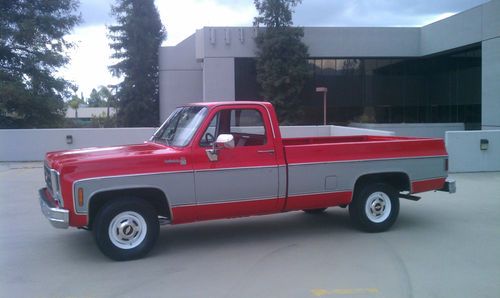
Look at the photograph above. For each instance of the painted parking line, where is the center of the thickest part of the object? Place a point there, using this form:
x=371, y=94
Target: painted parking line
x=346, y=291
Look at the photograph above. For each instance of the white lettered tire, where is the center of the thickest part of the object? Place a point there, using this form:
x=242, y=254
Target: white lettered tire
x=375, y=207
x=126, y=229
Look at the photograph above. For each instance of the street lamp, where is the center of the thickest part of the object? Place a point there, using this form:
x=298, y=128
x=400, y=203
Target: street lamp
x=324, y=90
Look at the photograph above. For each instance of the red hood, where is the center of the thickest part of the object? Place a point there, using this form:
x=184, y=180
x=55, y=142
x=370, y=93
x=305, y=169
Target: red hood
x=117, y=160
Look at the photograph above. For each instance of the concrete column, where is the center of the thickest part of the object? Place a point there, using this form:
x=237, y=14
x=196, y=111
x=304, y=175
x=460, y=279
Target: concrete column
x=218, y=79
x=181, y=77
x=490, y=108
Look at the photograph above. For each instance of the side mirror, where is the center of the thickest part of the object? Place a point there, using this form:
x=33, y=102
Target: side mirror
x=223, y=141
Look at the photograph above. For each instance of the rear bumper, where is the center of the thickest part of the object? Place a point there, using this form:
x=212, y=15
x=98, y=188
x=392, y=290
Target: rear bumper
x=449, y=186
x=58, y=217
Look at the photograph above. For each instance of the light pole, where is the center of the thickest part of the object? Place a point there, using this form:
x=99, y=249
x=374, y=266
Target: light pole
x=324, y=90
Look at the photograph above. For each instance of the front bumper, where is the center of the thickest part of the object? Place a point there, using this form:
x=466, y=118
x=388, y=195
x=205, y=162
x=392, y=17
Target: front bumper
x=449, y=186
x=58, y=217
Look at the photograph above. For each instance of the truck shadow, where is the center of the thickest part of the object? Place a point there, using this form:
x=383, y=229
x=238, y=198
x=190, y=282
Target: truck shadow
x=291, y=227
x=286, y=227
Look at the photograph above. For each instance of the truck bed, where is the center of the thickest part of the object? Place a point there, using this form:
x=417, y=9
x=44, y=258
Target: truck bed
x=325, y=169
x=342, y=139
x=363, y=147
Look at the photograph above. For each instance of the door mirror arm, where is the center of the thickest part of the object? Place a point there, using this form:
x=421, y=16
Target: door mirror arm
x=223, y=141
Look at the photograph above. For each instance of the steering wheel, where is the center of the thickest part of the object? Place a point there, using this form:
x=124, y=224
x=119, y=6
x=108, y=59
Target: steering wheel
x=209, y=138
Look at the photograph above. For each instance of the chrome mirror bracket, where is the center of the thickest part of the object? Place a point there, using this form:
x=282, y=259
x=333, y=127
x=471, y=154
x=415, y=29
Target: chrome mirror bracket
x=223, y=141
x=212, y=154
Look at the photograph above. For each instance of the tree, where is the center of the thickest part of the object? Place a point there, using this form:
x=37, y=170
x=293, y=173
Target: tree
x=95, y=100
x=136, y=41
x=282, y=68
x=75, y=102
x=32, y=48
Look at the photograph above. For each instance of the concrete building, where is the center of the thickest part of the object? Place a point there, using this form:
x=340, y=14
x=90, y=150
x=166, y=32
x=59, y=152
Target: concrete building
x=87, y=113
x=447, y=71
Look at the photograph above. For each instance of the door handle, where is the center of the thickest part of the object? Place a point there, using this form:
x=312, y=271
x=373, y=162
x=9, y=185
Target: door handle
x=270, y=151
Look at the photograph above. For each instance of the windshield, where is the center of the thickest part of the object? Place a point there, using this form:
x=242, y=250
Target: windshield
x=181, y=125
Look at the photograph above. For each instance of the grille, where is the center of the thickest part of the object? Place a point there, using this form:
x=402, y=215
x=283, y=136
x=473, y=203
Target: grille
x=48, y=181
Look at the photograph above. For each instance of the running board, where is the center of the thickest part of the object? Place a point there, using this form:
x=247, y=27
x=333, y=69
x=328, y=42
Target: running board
x=409, y=197
x=163, y=220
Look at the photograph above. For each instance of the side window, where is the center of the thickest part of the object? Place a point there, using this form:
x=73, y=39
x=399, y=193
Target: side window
x=246, y=126
x=210, y=133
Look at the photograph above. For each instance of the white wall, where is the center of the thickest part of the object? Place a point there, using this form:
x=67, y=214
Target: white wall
x=218, y=79
x=181, y=76
x=31, y=144
x=426, y=130
x=465, y=154
x=490, y=92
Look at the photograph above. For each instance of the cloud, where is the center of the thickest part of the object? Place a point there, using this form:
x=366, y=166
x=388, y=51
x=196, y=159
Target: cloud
x=375, y=13
x=182, y=18
x=90, y=59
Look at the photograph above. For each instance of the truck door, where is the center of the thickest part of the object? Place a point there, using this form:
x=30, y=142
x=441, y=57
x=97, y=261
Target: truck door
x=242, y=180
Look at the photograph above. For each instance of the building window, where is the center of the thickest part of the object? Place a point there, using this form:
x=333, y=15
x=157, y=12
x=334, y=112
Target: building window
x=443, y=88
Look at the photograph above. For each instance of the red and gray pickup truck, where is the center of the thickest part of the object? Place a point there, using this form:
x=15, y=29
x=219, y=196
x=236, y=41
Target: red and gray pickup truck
x=228, y=159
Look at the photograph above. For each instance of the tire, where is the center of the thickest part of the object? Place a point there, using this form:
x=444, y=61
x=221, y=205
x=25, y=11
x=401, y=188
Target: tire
x=375, y=207
x=126, y=229
x=314, y=211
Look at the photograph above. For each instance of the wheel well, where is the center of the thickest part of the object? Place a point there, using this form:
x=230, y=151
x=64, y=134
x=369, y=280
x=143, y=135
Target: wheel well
x=399, y=180
x=153, y=196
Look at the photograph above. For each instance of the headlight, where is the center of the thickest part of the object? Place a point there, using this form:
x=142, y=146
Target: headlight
x=56, y=187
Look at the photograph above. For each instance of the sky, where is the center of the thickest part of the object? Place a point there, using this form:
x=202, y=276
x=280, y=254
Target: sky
x=90, y=58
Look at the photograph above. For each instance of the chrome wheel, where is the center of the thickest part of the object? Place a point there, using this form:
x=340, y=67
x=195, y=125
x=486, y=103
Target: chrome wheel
x=127, y=230
x=378, y=207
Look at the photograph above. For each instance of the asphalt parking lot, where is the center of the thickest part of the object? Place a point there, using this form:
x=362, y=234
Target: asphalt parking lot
x=442, y=246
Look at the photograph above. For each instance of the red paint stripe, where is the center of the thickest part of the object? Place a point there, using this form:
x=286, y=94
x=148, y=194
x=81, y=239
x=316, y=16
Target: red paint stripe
x=185, y=214
x=318, y=200
x=427, y=185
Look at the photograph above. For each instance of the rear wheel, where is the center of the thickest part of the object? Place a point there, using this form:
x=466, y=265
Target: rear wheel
x=314, y=211
x=375, y=207
x=126, y=229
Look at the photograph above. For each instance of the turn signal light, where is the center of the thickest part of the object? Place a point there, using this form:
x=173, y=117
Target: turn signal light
x=80, y=197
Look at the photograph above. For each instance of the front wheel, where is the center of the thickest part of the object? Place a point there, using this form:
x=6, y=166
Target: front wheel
x=126, y=229
x=375, y=207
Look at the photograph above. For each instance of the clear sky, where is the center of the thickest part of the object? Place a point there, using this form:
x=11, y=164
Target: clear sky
x=90, y=59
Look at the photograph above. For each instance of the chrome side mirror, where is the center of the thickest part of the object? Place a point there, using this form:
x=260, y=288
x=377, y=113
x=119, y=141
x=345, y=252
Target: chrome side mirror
x=223, y=141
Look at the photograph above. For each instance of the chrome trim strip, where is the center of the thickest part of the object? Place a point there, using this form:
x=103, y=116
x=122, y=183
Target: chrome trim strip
x=318, y=193
x=361, y=160
x=130, y=175
x=236, y=168
x=427, y=179
x=225, y=202
x=270, y=122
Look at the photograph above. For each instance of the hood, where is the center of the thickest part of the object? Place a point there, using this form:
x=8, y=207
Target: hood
x=115, y=160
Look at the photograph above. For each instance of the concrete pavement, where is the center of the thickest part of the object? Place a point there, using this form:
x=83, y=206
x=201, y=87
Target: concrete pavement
x=442, y=246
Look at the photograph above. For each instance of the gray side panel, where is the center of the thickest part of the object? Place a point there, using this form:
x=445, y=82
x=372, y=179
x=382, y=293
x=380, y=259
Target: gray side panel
x=318, y=178
x=236, y=184
x=282, y=181
x=178, y=187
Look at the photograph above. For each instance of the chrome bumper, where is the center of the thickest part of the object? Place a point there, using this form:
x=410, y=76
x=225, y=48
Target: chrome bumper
x=58, y=217
x=449, y=186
